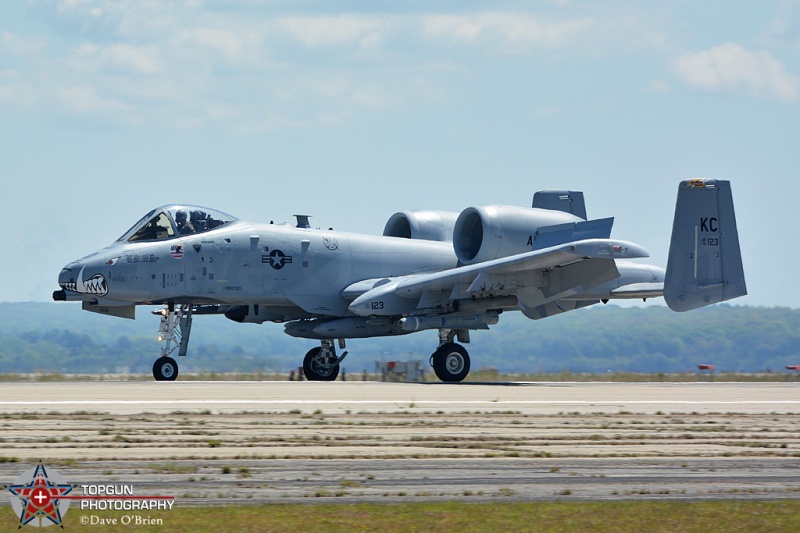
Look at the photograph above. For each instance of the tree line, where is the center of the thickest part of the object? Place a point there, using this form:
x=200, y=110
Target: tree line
x=52, y=337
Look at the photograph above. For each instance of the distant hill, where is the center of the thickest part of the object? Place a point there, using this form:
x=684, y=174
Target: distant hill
x=58, y=337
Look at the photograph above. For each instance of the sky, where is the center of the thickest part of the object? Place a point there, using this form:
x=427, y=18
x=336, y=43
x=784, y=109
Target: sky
x=352, y=111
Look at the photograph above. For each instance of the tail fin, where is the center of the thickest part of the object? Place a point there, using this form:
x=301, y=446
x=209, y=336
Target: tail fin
x=567, y=201
x=705, y=263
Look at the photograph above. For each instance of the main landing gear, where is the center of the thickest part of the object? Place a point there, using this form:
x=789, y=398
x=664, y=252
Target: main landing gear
x=450, y=361
x=321, y=364
x=176, y=324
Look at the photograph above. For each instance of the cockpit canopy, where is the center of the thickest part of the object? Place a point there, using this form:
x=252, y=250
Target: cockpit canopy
x=169, y=221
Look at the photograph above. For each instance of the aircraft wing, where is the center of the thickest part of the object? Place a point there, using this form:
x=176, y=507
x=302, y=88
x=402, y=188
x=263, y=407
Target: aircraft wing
x=534, y=278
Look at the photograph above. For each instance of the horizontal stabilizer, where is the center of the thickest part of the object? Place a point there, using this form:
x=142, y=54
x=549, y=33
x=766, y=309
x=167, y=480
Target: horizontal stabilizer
x=705, y=262
x=639, y=290
x=555, y=308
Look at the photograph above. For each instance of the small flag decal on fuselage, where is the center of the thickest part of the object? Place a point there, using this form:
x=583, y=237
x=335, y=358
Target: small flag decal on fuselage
x=176, y=251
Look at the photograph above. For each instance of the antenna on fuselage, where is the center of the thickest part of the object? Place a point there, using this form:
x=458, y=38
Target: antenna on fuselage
x=302, y=221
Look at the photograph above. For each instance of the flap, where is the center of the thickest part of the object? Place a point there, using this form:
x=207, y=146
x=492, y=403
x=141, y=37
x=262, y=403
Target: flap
x=388, y=298
x=564, y=254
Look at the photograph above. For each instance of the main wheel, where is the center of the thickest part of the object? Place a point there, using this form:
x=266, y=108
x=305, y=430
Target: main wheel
x=451, y=362
x=318, y=367
x=165, y=369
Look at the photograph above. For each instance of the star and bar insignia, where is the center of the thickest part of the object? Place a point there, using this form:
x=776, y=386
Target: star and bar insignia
x=40, y=497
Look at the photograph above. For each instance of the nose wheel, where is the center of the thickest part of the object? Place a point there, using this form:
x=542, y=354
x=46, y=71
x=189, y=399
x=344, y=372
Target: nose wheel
x=165, y=369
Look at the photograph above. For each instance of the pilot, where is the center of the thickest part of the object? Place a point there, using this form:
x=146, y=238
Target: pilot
x=184, y=226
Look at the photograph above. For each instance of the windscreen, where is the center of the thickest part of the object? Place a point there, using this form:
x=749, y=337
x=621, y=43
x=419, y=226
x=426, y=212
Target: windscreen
x=170, y=221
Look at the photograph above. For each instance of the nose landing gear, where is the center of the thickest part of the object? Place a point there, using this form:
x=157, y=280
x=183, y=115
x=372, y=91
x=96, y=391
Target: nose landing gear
x=174, y=330
x=165, y=369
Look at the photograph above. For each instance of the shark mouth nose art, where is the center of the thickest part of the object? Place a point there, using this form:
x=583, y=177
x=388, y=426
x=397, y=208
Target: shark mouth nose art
x=95, y=285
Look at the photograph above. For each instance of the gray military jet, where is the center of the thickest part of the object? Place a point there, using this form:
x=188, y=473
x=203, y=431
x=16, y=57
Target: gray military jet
x=430, y=270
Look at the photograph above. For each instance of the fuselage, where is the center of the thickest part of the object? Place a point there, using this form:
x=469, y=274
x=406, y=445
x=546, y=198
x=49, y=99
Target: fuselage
x=281, y=273
x=431, y=270
x=242, y=263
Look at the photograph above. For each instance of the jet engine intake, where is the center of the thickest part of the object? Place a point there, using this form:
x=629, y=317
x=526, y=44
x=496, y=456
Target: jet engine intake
x=489, y=232
x=423, y=225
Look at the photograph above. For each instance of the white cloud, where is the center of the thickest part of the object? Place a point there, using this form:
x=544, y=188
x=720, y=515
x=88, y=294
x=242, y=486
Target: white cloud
x=365, y=31
x=785, y=26
x=67, y=5
x=504, y=28
x=225, y=41
x=15, y=89
x=731, y=67
x=339, y=91
x=19, y=45
x=659, y=86
x=141, y=60
x=83, y=98
x=188, y=63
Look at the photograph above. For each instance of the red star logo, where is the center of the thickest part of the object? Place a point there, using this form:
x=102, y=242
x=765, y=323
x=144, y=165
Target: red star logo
x=40, y=497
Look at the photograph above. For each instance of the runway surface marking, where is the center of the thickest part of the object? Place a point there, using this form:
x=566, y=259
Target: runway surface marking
x=405, y=400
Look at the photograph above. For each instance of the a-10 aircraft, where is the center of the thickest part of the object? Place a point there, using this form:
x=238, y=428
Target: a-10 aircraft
x=431, y=270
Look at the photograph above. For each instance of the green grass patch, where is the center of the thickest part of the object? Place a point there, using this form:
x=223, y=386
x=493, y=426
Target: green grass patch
x=542, y=517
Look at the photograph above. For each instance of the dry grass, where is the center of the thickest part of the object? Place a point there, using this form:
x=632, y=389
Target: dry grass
x=400, y=434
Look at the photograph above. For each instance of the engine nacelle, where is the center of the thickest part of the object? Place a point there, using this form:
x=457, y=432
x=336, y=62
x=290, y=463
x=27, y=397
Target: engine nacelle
x=423, y=225
x=489, y=232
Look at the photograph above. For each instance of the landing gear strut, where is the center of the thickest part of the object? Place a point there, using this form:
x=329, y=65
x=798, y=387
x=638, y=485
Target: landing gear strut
x=450, y=361
x=176, y=324
x=321, y=364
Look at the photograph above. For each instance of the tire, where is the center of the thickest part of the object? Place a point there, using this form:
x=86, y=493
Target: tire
x=315, y=369
x=165, y=369
x=451, y=363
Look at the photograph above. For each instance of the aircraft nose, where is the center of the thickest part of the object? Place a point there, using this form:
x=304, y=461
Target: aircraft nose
x=83, y=279
x=68, y=277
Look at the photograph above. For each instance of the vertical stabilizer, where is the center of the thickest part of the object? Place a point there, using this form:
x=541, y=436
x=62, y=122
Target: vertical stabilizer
x=705, y=263
x=567, y=201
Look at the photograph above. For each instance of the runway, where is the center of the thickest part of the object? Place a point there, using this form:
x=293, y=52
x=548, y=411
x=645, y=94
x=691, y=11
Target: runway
x=239, y=442
x=124, y=397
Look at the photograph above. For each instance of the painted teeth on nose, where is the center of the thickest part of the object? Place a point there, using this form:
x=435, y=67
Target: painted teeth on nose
x=96, y=285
